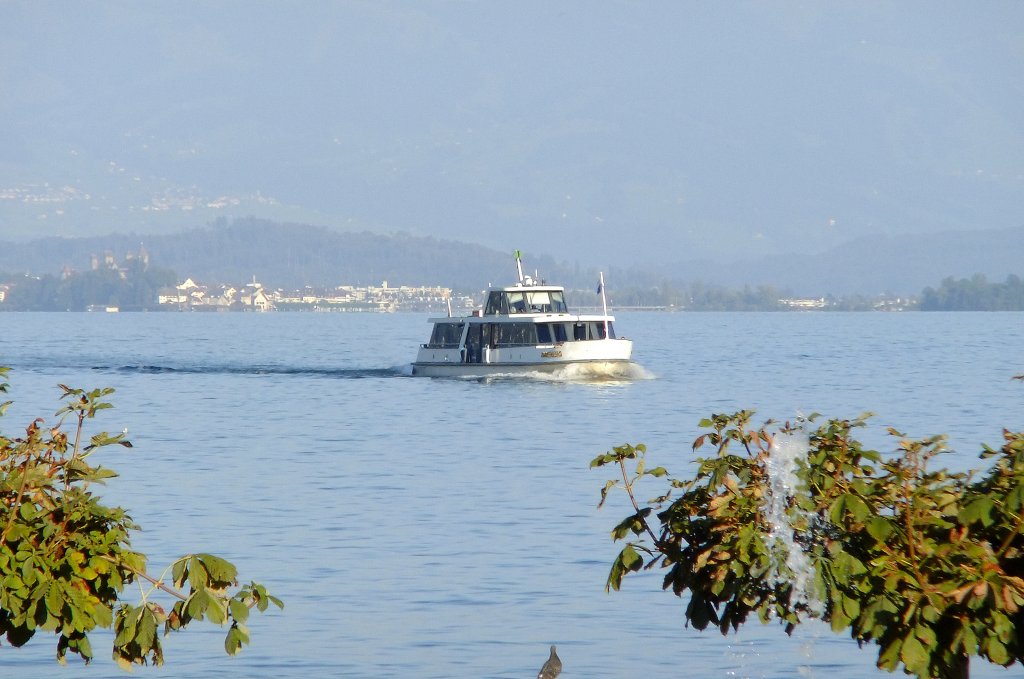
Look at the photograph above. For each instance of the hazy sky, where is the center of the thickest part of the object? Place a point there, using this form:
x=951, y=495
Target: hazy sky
x=600, y=131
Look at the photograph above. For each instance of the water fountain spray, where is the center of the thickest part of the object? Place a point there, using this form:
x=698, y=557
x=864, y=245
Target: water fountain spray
x=792, y=563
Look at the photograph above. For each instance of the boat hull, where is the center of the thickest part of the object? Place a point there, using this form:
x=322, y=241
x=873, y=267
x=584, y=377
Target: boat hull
x=592, y=369
x=607, y=357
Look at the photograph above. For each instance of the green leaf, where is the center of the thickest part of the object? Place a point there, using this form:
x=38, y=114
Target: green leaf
x=216, y=611
x=631, y=524
x=627, y=561
x=700, y=612
x=178, y=572
x=99, y=475
x=630, y=559
x=837, y=512
x=102, y=615
x=84, y=647
x=997, y=653
x=146, y=629
x=18, y=531
x=197, y=576
x=978, y=510
x=239, y=611
x=232, y=641
x=840, y=620
x=1015, y=499
x=969, y=641
x=236, y=637
x=879, y=527
x=851, y=607
x=926, y=635
x=54, y=599
x=127, y=619
x=614, y=580
x=259, y=594
x=856, y=506
x=889, y=656
x=197, y=604
x=27, y=511
x=221, y=571
x=914, y=655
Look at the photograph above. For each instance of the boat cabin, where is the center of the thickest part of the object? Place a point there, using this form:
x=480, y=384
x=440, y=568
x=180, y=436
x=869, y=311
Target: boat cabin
x=533, y=300
x=448, y=334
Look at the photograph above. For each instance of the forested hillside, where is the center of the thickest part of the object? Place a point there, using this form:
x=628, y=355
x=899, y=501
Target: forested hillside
x=975, y=294
x=289, y=256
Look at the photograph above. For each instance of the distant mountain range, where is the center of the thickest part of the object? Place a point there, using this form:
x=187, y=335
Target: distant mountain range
x=903, y=264
x=619, y=134
x=280, y=255
x=296, y=255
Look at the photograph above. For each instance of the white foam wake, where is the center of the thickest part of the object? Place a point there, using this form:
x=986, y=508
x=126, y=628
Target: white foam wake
x=793, y=564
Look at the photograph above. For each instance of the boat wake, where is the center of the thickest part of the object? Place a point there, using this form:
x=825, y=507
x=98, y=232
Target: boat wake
x=258, y=370
x=598, y=372
x=570, y=373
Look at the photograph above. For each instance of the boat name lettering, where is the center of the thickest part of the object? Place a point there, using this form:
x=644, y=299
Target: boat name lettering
x=551, y=354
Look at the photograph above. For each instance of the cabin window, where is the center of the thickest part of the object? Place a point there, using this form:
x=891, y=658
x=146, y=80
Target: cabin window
x=539, y=301
x=546, y=302
x=515, y=334
x=517, y=303
x=560, y=332
x=544, y=333
x=590, y=330
x=474, y=343
x=445, y=335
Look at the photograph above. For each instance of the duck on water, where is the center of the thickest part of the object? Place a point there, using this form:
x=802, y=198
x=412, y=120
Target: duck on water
x=524, y=328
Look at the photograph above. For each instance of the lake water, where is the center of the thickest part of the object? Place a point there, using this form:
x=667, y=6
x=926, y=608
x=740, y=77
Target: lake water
x=446, y=528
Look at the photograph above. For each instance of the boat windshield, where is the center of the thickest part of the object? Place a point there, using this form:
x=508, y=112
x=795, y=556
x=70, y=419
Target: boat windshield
x=528, y=301
x=545, y=301
x=516, y=303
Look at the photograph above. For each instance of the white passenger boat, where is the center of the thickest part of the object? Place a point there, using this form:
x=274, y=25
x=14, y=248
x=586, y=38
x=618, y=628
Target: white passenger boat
x=525, y=328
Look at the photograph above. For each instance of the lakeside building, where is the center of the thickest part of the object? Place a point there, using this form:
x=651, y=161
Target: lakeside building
x=253, y=296
x=803, y=303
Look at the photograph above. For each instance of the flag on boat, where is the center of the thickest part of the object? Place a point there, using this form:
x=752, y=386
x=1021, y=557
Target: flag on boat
x=600, y=287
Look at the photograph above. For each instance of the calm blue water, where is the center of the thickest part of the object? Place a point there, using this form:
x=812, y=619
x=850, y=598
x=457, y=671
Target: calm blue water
x=445, y=528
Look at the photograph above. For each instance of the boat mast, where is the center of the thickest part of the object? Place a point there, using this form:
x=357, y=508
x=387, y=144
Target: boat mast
x=604, y=302
x=519, y=264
